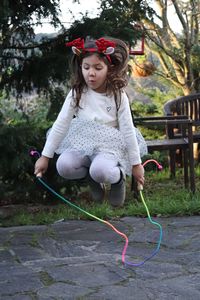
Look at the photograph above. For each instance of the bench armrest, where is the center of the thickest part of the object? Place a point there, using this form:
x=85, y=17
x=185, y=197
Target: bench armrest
x=166, y=122
x=169, y=123
x=161, y=118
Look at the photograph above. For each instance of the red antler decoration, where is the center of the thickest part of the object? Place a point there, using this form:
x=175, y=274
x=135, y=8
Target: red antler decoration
x=103, y=44
x=78, y=43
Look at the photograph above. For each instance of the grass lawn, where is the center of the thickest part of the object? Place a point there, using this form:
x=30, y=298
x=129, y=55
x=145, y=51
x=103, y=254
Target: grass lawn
x=163, y=196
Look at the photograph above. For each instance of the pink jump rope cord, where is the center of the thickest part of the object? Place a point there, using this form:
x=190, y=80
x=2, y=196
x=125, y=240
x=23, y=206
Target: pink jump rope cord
x=36, y=153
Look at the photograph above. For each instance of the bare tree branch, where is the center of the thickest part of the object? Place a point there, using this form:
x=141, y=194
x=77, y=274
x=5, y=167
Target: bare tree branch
x=175, y=51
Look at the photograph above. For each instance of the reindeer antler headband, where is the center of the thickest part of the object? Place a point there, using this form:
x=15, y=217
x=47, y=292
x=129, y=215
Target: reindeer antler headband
x=104, y=46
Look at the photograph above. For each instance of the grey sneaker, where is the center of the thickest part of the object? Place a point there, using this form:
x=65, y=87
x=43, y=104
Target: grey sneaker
x=97, y=190
x=118, y=192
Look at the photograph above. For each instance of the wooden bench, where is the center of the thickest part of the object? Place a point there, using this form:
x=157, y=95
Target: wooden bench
x=185, y=143
x=188, y=106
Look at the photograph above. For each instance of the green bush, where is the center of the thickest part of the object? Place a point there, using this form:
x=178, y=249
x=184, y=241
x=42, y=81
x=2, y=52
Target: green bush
x=17, y=181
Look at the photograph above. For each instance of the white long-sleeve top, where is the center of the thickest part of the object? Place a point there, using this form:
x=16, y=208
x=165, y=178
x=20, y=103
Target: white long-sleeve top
x=95, y=107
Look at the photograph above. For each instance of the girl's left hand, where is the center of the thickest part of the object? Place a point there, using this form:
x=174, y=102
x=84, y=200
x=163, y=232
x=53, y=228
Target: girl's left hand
x=138, y=173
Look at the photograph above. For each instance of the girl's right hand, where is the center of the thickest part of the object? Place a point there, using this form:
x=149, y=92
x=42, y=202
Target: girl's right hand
x=41, y=166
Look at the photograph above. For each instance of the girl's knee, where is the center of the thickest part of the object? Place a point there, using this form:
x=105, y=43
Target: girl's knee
x=105, y=170
x=98, y=174
x=63, y=167
x=70, y=167
x=104, y=175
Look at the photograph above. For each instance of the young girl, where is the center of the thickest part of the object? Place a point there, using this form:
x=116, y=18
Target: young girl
x=94, y=132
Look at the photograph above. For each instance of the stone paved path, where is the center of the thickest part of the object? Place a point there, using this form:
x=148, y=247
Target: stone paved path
x=82, y=260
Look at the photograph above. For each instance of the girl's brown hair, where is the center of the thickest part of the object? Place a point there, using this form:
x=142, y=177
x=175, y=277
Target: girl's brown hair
x=117, y=77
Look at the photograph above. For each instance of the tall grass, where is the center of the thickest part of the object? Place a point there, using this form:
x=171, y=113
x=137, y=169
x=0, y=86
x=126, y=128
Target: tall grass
x=163, y=196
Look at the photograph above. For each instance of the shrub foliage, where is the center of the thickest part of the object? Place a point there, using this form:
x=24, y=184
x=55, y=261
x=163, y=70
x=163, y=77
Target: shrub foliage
x=17, y=180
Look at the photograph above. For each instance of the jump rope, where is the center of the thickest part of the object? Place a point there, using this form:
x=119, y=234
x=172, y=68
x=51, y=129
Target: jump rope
x=140, y=188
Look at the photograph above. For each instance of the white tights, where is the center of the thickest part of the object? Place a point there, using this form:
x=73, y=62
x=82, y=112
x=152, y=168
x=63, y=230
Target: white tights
x=73, y=165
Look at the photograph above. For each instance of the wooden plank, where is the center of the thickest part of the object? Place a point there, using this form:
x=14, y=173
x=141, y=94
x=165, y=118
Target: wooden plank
x=167, y=144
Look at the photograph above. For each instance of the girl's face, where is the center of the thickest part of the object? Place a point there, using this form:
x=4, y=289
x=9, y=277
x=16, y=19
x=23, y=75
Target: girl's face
x=95, y=72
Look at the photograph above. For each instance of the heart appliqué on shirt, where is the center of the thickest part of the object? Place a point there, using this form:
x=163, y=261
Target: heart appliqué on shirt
x=108, y=108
